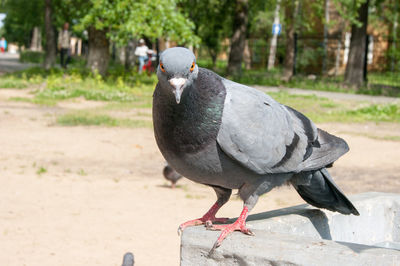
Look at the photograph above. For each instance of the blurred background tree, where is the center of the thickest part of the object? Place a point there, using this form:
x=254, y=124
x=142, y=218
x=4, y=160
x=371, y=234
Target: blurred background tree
x=335, y=40
x=23, y=17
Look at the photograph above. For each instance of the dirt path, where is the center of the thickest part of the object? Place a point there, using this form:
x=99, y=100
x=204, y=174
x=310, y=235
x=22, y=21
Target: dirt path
x=87, y=195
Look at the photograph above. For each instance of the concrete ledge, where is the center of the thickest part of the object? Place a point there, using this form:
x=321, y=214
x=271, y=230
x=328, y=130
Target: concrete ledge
x=303, y=235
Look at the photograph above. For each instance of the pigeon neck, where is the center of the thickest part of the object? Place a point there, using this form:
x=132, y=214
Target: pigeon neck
x=195, y=121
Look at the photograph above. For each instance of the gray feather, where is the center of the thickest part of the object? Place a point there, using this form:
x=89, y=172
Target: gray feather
x=266, y=138
x=171, y=175
x=329, y=149
x=128, y=259
x=232, y=136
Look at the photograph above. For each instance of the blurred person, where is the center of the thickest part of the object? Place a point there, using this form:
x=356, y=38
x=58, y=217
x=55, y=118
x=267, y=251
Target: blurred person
x=64, y=40
x=3, y=44
x=141, y=53
x=151, y=58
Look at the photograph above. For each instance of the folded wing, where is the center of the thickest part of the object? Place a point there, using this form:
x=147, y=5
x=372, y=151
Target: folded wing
x=268, y=137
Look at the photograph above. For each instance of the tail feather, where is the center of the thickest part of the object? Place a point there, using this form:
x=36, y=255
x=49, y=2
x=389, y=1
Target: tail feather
x=318, y=189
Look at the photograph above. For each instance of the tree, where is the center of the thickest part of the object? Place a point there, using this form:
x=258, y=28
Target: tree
x=274, y=39
x=291, y=13
x=22, y=17
x=99, y=52
x=354, y=74
x=212, y=22
x=120, y=20
x=50, y=57
x=238, y=38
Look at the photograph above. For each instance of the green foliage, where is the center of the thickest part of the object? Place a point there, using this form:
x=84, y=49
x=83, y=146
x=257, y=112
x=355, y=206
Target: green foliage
x=28, y=56
x=212, y=20
x=124, y=19
x=348, y=9
x=22, y=17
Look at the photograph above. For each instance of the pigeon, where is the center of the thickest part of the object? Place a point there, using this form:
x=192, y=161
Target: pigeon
x=171, y=175
x=230, y=136
x=128, y=259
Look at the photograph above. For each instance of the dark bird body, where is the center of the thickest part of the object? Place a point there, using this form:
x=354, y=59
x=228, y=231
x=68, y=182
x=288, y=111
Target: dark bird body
x=171, y=175
x=128, y=259
x=230, y=136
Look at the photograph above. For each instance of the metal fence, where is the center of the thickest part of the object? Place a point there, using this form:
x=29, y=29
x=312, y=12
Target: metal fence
x=314, y=56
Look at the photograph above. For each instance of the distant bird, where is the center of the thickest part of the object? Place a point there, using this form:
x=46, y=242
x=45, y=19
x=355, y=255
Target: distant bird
x=229, y=136
x=171, y=175
x=128, y=260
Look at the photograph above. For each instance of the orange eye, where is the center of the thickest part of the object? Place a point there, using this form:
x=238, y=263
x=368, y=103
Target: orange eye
x=192, y=67
x=162, y=67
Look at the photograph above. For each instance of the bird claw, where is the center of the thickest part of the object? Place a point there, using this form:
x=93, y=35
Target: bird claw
x=208, y=224
x=249, y=232
x=207, y=221
x=179, y=231
x=215, y=246
x=227, y=229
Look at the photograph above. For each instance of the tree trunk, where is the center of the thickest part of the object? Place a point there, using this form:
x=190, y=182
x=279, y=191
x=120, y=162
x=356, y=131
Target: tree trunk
x=354, y=75
x=393, y=58
x=274, y=39
x=291, y=10
x=130, y=58
x=50, y=57
x=238, y=38
x=99, y=54
x=213, y=55
x=325, y=42
x=247, y=55
x=36, y=43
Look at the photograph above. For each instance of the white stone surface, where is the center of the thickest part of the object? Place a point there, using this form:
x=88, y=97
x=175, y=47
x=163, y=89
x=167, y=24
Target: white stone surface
x=303, y=235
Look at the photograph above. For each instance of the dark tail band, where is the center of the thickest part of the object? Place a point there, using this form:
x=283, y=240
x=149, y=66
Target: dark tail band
x=318, y=189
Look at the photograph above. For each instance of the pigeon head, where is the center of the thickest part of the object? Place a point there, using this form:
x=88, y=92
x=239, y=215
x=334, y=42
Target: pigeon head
x=177, y=70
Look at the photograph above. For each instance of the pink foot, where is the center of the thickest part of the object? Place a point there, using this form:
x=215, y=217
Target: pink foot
x=227, y=229
x=208, y=218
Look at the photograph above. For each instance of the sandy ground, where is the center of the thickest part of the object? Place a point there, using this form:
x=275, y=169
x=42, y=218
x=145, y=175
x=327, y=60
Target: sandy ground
x=103, y=193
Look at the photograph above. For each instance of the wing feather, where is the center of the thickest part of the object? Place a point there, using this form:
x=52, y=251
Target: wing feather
x=260, y=133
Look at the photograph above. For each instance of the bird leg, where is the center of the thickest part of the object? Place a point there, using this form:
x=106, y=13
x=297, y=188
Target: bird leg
x=238, y=225
x=209, y=217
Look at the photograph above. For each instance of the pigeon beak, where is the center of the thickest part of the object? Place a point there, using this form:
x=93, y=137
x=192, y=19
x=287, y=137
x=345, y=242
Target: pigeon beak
x=177, y=83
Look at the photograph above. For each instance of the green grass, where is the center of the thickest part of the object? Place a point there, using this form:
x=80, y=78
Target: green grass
x=82, y=172
x=9, y=82
x=56, y=85
x=320, y=109
x=85, y=118
x=36, y=100
x=31, y=56
x=388, y=79
x=124, y=90
x=377, y=113
x=41, y=170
